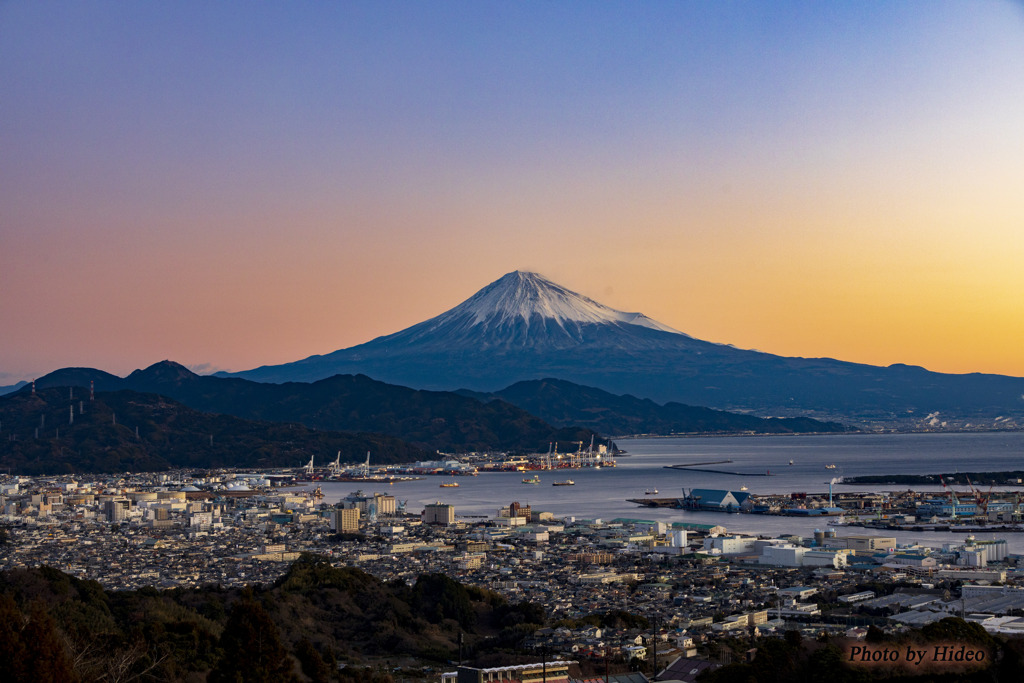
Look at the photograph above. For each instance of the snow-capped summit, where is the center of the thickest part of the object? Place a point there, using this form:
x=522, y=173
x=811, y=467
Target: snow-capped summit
x=518, y=318
x=523, y=311
x=525, y=327
x=521, y=296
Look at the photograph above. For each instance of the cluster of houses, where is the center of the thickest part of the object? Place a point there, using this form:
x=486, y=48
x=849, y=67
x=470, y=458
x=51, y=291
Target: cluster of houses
x=696, y=582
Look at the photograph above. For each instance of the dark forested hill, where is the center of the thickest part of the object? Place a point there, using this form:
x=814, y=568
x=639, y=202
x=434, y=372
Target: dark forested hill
x=433, y=420
x=321, y=623
x=60, y=430
x=55, y=627
x=563, y=403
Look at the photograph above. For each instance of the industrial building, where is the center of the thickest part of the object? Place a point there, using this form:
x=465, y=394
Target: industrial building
x=718, y=500
x=553, y=672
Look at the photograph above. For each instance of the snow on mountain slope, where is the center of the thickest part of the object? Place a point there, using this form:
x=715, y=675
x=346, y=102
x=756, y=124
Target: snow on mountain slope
x=524, y=327
x=519, y=295
x=522, y=312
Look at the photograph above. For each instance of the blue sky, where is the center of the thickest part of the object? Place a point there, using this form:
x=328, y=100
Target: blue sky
x=248, y=183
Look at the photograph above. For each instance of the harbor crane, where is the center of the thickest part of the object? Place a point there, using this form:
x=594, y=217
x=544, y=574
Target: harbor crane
x=981, y=499
x=309, y=466
x=336, y=465
x=953, y=500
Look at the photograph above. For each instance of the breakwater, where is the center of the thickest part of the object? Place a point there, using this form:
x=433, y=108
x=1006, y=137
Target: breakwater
x=701, y=467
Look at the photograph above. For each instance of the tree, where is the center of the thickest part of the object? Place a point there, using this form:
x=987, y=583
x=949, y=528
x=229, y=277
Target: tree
x=252, y=648
x=313, y=665
x=12, y=649
x=875, y=635
x=776, y=660
x=793, y=638
x=437, y=597
x=46, y=658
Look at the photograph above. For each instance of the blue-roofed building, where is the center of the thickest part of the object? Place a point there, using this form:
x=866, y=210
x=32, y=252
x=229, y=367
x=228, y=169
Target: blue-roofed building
x=716, y=499
x=943, y=508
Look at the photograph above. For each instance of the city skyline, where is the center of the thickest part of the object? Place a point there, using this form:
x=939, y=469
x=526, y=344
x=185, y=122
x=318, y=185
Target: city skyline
x=231, y=186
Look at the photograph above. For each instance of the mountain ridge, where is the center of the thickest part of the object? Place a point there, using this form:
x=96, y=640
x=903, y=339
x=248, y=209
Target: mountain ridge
x=126, y=430
x=496, y=338
x=560, y=402
x=429, y=420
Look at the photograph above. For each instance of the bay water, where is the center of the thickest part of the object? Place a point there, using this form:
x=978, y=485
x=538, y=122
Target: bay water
x=761, y=463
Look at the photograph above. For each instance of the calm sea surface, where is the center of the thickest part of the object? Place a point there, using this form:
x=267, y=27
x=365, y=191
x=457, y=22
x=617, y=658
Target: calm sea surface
x=603, y=493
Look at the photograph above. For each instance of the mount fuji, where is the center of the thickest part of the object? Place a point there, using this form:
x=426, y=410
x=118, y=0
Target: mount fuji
x=525, y=327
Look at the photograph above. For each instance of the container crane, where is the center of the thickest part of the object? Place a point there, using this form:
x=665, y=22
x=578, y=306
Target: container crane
x=981, y=499
x=336, y=465
x=953, y=500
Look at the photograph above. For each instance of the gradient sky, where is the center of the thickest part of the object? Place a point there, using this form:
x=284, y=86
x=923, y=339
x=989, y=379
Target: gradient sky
x=234, y=184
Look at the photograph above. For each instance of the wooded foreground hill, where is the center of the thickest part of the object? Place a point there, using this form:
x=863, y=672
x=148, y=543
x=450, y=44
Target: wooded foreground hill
x=60, y=629
x=57, y=628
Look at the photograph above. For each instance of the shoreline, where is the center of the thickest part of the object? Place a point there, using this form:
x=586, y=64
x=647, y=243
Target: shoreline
x=733, y=435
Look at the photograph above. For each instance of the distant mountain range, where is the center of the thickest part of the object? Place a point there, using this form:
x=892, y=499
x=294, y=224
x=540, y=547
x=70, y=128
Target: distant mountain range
x=11, y=388
x=524, y=327
x=429, y=420
x=63, y=431
x=563, y=403
x=188, y=420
